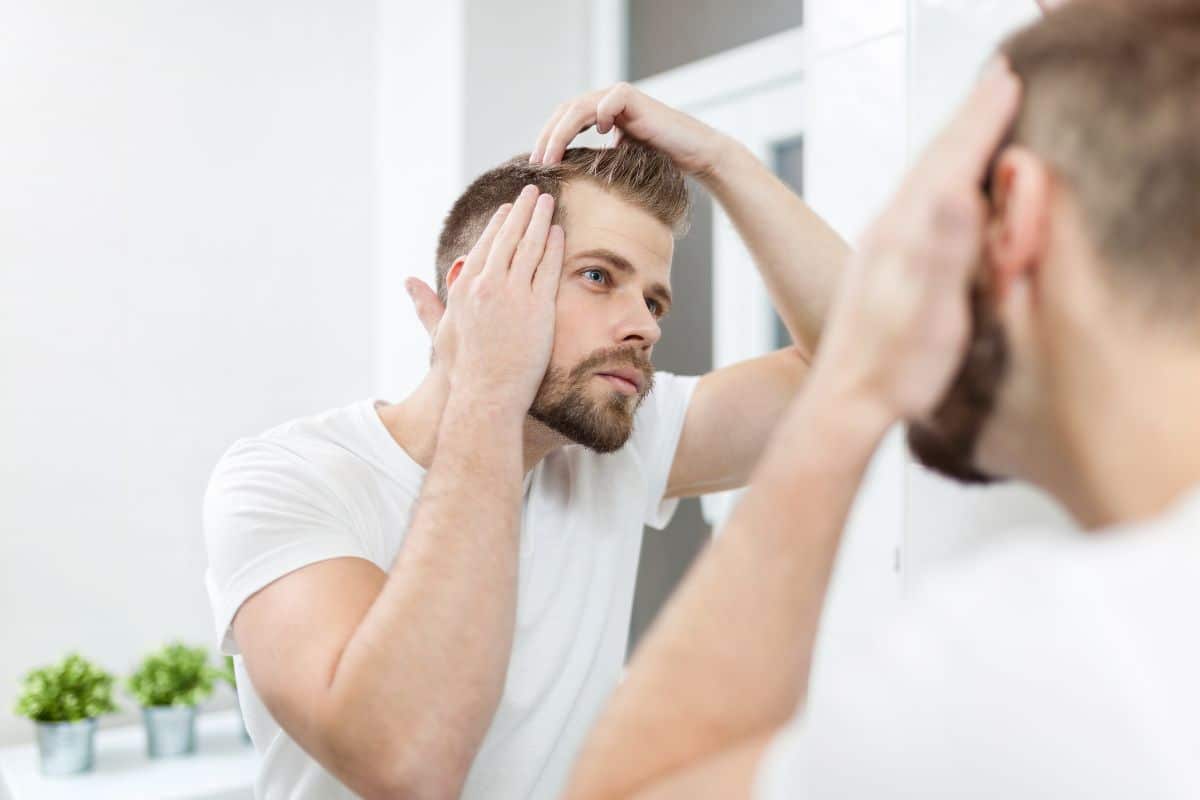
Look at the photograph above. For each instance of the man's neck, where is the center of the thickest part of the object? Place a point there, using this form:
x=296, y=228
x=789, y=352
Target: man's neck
x=414, y=423
x=1129, y=432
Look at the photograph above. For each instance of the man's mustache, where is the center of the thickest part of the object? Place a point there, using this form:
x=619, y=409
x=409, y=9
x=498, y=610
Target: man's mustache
x=612, y=357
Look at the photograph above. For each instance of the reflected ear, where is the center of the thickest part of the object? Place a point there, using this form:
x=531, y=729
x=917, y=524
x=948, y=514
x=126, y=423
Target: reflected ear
x=1018, y=231
x=454, y=271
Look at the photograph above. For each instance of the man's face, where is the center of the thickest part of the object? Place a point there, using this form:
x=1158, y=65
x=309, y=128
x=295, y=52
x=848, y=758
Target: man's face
x=614, y=289
x=947, y=443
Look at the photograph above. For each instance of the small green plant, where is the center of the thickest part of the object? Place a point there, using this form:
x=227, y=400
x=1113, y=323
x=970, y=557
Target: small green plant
x=228, y=675
x=72, y=690
x=176, y=675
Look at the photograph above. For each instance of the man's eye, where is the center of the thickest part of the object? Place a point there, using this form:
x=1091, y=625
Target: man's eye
x=599, y=273
x=653, y=305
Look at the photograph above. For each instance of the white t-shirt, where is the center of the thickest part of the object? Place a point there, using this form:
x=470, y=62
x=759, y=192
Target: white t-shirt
x=337, y=484
x=1044, y=667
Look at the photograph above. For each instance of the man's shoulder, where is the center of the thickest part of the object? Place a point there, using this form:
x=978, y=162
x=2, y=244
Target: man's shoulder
x=318, y=450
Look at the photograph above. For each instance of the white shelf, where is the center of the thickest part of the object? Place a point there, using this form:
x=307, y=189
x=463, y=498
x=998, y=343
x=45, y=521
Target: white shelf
x=222, y=768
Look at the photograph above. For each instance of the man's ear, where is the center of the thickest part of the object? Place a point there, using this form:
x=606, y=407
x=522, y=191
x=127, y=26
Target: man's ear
x=1018, y=230
x=454, y=271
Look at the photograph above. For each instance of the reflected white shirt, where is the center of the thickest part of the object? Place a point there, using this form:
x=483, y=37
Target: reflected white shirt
x=1040, y=668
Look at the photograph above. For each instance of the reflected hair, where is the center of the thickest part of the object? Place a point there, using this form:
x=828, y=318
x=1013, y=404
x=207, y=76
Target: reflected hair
x=635, y=172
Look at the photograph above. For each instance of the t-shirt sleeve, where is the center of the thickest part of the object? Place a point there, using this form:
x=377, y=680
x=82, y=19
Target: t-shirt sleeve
x=976, y=689
x=656, y=430
x=267, y=512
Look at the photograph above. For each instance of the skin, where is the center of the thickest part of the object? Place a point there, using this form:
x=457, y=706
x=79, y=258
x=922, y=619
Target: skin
x=390, y=679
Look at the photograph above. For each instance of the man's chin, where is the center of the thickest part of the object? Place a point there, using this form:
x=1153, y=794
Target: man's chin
x=600, y=429
x=952, y=459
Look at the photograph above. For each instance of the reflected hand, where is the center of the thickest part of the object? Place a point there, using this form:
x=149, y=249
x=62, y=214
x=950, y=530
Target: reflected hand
x=900, y=324
x=693, y=146
x=496, y=331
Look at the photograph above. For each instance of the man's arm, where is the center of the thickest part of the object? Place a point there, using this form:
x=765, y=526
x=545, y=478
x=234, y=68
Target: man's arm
x=390, y=680
x=729, y=659
x=799, y=255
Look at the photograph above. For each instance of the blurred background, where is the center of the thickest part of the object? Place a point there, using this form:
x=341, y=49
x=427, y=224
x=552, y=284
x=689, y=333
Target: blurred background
x=207, y=211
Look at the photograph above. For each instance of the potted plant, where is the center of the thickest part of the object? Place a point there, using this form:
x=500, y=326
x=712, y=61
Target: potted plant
x=169, y=684
x=230, y=677
x=64, y=701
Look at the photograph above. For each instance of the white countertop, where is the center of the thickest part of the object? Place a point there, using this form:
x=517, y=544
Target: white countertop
x=222, y=768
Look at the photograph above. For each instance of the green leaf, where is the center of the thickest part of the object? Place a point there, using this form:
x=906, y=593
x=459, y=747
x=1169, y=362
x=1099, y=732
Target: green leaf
x=176, y=675
x=69, y=691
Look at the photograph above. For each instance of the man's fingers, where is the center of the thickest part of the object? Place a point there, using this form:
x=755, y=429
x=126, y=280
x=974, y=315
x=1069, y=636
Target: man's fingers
x=966, y=145
x=611, y=106
x=956, y=237
x=539, y=148
x=426, y=302
x=533, y=243
x=479, y=253
x=578, y=118
x=549, y=270
x=510, y=233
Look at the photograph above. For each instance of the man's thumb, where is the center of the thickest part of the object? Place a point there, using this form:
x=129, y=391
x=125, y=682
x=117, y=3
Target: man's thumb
x=425, y=300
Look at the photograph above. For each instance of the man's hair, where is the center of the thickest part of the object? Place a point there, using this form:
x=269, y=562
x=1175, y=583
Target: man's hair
x=1111, y=102
x=634, y=172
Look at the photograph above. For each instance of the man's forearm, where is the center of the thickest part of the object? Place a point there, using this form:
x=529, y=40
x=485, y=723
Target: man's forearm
x=799, y=255
x=425, y=669
x=729, y=658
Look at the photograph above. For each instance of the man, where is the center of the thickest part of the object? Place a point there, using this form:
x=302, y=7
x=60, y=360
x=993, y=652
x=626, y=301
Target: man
x=1040, y=668
x=432, y=597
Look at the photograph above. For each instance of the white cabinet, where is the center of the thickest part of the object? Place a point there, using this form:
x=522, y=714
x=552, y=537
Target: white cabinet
x=222, y=768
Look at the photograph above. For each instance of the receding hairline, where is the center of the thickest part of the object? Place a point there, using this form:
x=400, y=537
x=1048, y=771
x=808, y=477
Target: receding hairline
x=637, y=174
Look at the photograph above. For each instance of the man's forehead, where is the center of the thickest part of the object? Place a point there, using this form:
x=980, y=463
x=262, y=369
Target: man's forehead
x=601, y=220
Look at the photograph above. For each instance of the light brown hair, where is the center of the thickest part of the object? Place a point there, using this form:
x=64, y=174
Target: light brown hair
x=635, y=172
x=1111, y=102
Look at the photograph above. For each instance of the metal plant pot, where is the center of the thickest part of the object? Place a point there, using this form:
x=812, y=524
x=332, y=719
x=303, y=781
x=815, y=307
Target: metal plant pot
x=66, y=748
x=170, y=730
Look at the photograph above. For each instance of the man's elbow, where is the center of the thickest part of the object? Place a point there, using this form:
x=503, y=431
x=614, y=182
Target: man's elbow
x=389, y=764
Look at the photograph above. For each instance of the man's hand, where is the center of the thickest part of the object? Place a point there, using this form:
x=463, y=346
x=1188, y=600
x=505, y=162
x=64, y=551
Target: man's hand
x=899, y=327
x=497, y=329
x=693, y=146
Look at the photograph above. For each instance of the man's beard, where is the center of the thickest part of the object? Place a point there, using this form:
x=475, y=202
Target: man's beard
x=946, y=443
x=564, y=405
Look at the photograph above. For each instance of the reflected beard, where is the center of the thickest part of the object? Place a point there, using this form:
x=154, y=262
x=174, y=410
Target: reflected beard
x=946, y=442
x=564, y=405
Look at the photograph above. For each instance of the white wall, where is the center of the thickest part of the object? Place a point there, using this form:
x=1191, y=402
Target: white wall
x=461, y=85
x=207, y=213
x=521, y=61
x=419, y=85
x=185, y=196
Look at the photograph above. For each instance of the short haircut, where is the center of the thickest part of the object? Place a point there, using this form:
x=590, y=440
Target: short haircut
x=1111, y=102
x=634, y=172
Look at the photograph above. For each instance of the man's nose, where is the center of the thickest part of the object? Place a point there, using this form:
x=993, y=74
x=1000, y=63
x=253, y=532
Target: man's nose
x=640, y=328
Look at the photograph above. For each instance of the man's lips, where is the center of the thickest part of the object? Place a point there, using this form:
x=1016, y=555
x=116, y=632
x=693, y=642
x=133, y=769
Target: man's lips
x=629, y=380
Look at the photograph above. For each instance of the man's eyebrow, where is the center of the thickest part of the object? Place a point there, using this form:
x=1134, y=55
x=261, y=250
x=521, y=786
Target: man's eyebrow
x=621, y=264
